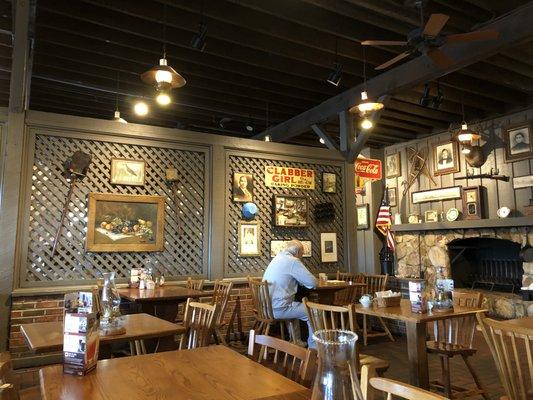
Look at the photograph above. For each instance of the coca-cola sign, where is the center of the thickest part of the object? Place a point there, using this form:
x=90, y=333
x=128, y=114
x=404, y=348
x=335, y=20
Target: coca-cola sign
x=368, y=168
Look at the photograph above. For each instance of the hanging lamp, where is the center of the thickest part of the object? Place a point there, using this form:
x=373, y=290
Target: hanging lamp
x=117, y=116
x=465, y=136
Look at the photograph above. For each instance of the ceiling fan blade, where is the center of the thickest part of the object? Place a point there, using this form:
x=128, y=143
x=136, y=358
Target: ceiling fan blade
x=440, y=58
x=489, y=34
x=435, y=24
x=393, y=60
x=383, y=43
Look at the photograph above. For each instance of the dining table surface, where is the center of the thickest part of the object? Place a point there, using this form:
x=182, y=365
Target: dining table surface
x=214, y=372
x=160, y=293
x=48, y=336
x=416, y=327
x=525, y=322
x=325, y=290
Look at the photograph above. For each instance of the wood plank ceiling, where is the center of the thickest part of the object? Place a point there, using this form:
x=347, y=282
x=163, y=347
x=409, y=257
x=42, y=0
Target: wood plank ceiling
x=264, y=61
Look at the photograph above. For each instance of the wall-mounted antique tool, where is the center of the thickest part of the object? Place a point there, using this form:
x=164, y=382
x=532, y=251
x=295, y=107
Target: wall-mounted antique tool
x=493, y=174
x=76, y=167
x=418, y=165
x=171, y=176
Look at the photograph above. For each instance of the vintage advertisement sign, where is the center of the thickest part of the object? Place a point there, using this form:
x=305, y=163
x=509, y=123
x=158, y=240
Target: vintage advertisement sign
x=368, y=168
x=296, y=178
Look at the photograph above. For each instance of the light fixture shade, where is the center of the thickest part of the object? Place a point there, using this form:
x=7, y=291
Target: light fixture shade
x=118, y=118
x=466, y=135
x=163, y=76
x=366, y=105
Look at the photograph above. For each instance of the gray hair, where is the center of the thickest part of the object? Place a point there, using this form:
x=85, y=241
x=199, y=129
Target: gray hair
x=295, y=247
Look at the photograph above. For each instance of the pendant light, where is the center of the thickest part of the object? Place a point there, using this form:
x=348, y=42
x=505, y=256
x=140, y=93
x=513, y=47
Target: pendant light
x=117, y=116
x=465, y=136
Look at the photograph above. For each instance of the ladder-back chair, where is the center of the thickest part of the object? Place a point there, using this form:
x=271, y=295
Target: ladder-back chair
x=454, y=337
x=403, y=390
x=195, y=284
x=221, y=295
x=10, y=388
x=510, y=346
x=351, y=294
x=199, y=322
x=375, y=283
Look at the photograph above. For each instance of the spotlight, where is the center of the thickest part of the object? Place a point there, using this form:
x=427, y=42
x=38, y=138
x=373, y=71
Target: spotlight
x=321, y=141
x=267, y=138
x=425, y=99
x=224, y=122
x=163, y=99
x=140, y=108
x=366, y=124
x=335, y=75
x=118, y=118
x=249, y=127
x=198, y=40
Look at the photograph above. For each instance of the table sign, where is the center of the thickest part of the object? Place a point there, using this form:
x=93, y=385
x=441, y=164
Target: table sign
x=417, y=297
x=80, y=333
x=135, y=277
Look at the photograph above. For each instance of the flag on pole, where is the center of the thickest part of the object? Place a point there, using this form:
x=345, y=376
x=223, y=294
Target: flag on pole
x=384, y=221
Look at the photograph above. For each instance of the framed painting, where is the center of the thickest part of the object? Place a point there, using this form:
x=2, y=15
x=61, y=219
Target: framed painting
x=125, y=223
x=392, y=193
x=291, y=211
x=445, y=158
x=518, y=139
x=447, y=193
x=362, y=217
x=249, y=239
x=127, y=172
x=243, y=187
x=329, y=182
x=393, y=167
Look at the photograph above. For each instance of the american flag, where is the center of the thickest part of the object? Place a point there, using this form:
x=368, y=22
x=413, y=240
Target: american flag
x=384, y=221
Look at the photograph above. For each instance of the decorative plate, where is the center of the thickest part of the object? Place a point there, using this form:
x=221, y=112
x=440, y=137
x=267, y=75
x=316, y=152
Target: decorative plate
x=503, y=212
x=452, y=214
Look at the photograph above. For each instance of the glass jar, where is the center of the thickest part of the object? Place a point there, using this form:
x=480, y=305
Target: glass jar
x=110, y=300
x=336, y=377
x=443, y=293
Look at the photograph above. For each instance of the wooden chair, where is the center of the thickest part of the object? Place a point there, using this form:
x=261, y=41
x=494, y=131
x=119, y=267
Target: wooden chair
x=351, y=294
x=262, y=308
x=375, y=283
x=221, y=295
x=294, y=362
x=454, y=337
x=510, y=346
x=9, y=383
x=349, y=277
x=199, y=323
x=324, y=316
x=195, y=284
x=403, y=390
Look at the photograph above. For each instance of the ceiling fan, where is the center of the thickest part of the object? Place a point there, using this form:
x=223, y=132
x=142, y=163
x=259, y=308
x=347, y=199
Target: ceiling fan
x=427, y=39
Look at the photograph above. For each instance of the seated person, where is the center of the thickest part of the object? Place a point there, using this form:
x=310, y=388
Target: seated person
x=283, y=274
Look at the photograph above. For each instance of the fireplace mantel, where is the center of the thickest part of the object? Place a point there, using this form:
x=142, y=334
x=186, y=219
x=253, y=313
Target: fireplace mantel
x=465, y=224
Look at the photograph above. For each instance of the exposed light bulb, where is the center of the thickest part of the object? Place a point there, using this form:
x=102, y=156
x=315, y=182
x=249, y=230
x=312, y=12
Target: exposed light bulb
x=364, y=95
x=267, y=138
x=465, y=150
x=321, y=141
x=163, y=99
x=366, y=124
x=161, y=75
x=140, y=108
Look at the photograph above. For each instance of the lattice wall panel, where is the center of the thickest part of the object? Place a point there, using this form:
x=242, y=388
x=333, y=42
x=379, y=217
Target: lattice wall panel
x=263, y=197
x=183, y=254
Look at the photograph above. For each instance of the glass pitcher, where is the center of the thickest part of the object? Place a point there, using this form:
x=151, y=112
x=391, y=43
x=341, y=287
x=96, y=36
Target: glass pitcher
x=110, y=300
x=336, y=377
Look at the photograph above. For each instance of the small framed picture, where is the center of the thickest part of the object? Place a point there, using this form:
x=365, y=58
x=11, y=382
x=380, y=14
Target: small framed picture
x=127, y=172
x=445, y=158
x=249, y=239
x=362, y=217
x=518, y=142
x=279, y=245
x=472, y=203
x=308, y=248
x=392, y=193
x=393, y=167
x=290, y=211
x=329, y=182
x=243, y=187
x=431, y=216
x=328, y=247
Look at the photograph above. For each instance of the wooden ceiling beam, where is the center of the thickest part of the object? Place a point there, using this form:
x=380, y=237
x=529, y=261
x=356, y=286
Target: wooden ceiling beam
x=501, y=76
x=514, y=27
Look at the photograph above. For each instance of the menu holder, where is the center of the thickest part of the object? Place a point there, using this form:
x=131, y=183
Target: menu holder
x=417, y=297
x=80, y=333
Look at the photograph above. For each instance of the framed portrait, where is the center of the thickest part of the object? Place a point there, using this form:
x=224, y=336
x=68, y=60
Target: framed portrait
x=362, y=217
x=518, y=141
x=243, y=187
x=447, y=193
x=249, y=239
x=328, y=247
x=445, y=158
x=393, y=167
x=123, y=222
x=392, y=194
x=290, y=211
x=329, y=182
x=127, y=172
x=431, y=216
x=279, y=245
x=472, y=202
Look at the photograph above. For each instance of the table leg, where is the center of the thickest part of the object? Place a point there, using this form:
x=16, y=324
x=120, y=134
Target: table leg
x=416, y=350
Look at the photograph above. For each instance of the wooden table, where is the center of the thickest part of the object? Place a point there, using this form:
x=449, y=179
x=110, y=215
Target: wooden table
x=48, y=336
x=326, y=290
x=526, y=322
x=215, y=372
x=416, y=333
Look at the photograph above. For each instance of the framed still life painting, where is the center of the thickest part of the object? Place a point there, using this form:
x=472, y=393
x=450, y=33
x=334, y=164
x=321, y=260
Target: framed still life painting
x=124, y=223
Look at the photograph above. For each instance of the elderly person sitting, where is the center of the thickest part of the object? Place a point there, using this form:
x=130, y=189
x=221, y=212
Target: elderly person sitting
x=283, y=274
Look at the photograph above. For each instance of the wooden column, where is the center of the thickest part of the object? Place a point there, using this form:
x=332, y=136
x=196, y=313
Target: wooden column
x=350, y=235
x=217, y=227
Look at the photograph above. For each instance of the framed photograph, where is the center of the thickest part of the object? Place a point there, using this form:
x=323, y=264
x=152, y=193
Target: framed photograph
x=291, y=211
x=431, y=216
x=249, y=239
x=123, y=222
x=362, y=217
x=279, y=245
x=445, y=158
x=523, y=182
x=328, y=247
x=447, y=193
x=308, y=248
x=392, y=194
x=329, y=182
x=243, y=187
x=127, y=172
x=472, y=202
x=393, y=166
x=518, y=140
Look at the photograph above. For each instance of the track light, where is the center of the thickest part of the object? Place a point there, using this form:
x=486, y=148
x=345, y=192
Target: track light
x=366, y=124
x=425, y=99
x=198, y=40
x=163, y=98
x=140, y=108
x=249, y=127
x=321, y=141
x=267, y=138
x=335, y=75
